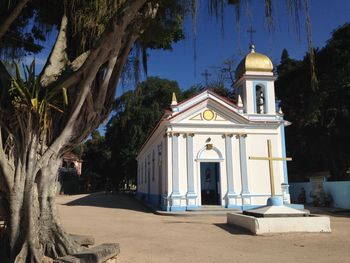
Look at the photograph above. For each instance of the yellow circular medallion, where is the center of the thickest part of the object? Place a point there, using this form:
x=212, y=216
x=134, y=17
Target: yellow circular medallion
x=208, y=115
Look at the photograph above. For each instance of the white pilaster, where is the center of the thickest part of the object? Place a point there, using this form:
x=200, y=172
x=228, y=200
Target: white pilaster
x=231, y=196
x=191, y=195
x=246, y=200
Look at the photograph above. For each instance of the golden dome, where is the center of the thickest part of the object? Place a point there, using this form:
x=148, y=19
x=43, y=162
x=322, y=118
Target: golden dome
x=254, y=62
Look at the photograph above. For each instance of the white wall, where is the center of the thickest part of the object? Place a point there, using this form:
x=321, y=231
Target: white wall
x=259, y=176
x=338, y=191
x=149, y=155
x=258, y=171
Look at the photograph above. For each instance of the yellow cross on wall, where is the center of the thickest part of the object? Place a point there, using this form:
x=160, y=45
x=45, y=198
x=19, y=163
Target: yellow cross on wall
x=271, y=159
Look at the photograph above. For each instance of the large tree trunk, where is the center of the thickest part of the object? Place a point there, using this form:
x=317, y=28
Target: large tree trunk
x=33, y=228
x=30, y=155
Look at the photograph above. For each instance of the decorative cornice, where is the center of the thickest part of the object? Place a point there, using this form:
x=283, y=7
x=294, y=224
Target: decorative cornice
x=188, y=135
x=171, y=134
x=243, y=135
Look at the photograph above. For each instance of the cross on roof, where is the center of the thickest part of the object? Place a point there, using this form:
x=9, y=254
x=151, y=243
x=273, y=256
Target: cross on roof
x=251, y=30
x=206, y=76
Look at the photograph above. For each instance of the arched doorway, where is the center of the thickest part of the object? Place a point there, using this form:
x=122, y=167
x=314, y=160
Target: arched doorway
x=209, y=159
x=210, y=183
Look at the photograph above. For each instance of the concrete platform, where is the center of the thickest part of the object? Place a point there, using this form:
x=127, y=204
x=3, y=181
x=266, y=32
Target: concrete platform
x=276, y=211
x=269, y=225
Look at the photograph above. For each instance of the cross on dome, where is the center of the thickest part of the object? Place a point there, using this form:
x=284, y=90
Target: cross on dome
x=251, y=31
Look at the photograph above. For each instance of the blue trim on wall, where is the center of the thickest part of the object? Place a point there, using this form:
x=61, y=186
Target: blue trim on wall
x=193, y=207
x=148, y=198
x=164, y=208
x=232, y=206
x=285, y=170
x=154, y=199
x=177, y=208
x=138, y=195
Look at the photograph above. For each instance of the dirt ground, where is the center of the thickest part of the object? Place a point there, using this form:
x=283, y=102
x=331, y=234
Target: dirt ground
x=146, y=237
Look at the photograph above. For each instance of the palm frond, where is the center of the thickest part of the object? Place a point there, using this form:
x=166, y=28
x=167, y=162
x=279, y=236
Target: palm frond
x=28, y=95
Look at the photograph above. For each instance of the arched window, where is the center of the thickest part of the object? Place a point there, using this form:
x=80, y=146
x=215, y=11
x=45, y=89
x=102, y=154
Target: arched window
x=260, y=100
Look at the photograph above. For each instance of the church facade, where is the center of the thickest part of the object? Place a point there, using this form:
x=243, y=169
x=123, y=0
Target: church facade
x=203, y=151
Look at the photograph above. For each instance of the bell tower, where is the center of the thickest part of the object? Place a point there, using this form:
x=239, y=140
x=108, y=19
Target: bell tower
x=255, y=84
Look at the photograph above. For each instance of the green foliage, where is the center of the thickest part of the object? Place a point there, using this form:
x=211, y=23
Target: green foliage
x=96, y=162
x=31, y=29
x=318, y=139
x=88, y=20
x=166, y=28
x=136, y=114
x=28, y=96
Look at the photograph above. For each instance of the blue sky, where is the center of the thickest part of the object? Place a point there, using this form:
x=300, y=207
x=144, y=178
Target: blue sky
x=213, y=47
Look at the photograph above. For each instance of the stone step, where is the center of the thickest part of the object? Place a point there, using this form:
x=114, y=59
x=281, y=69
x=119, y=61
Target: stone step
x=212, y=208
x=206, y=211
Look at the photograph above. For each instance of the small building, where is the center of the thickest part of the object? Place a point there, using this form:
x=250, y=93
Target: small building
x=199, y=152
x=71, y=163
x=69, y=174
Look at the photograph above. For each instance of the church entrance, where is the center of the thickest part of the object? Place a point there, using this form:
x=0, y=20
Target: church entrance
x=210, y=180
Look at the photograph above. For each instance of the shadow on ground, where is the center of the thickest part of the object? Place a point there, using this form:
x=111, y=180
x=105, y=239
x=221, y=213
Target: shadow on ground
x=117, y=201
x=234, y=230
x=329, y=211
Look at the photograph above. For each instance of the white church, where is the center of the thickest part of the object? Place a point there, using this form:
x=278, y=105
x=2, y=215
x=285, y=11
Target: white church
x=206, y=149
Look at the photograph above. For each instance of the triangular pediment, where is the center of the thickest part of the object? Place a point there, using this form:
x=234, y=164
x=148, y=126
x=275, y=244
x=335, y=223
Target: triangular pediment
x=208, y=109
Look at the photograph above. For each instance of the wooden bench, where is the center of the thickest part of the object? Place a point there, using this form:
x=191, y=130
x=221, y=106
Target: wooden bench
x=105, y=253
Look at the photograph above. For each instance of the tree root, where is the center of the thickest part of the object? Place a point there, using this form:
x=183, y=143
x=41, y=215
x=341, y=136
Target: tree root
x=28, y=254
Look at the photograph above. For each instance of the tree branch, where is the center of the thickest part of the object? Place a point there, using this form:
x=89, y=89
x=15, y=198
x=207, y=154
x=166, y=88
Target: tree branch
x=5, y=25
x=109, y=42
x=118, y=24
x=58, y=58
x=97, y=110
x=79, y=61
x=103, y=88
